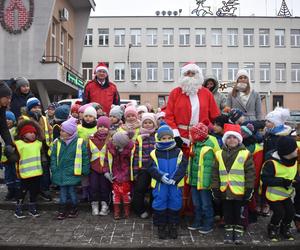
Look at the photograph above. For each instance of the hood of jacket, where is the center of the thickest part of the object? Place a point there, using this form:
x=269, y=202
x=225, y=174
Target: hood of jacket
x=214, y=79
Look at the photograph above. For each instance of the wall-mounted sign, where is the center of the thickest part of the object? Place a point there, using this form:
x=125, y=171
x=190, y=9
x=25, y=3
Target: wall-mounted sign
x=75, y=80
x=16, y=15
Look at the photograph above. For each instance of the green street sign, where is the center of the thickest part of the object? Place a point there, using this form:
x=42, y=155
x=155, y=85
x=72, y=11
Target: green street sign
x=75, y=80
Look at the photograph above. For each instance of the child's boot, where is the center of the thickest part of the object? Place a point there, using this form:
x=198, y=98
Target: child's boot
x=32, y=210
x=173, y=231
x=104, y=208
x=162, y=232
x=126, y=210
x=74, y=212
x=273, y=232
x=95, y=207
x=238, y=234
x=117, y=212
x=297, y=224
x=62, y=212
x=19, y=210
x=285, y=230
x=229, y=234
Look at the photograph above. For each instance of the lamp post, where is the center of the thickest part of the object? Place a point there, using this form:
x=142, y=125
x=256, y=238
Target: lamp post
x=128, y=53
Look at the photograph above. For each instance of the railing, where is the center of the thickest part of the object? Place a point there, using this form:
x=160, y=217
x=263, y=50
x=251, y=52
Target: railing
x=57, y=59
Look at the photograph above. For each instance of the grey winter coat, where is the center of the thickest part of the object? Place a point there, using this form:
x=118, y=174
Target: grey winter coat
x=219, y=97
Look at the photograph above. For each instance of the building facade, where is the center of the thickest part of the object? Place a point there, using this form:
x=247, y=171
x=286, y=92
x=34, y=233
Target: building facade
x=144, y=54
x=48, y=52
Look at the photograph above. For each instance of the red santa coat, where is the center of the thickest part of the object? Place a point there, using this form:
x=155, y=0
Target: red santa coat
x=183, y=110
x=104, y=95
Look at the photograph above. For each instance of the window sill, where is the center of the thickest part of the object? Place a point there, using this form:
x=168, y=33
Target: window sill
x=265, y=81
x=103, y=46
x=119, y=45
x=280, y=81
x=264, y=46
x=133, y=45
x=199, y=45
x=216, y=45
x=152, y=80
x=232, y=46
x=168, y=45
x=295, y=46
x=135, y=81
x=152, y=45
x=296, y=82
x=87, y=45
x=280, y=46
x=168, y=80
x=248, y=46
x=184, y=45
x=119, y=81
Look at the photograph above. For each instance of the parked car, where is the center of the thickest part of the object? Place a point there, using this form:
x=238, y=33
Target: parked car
x=70, y=102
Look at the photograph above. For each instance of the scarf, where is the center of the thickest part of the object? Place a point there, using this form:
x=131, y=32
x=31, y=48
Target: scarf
x=165, y=145
x=146, y=132
x=70, y=139
x=131, y=126
x=89, y=125
x=275, y=130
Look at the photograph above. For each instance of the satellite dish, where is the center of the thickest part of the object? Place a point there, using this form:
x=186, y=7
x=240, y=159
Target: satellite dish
x=169, y=13
x=175, y=13
x=157, y=12
x=163, y=12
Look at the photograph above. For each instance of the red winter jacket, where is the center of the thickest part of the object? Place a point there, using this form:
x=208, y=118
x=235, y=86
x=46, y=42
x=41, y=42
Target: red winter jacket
x=105, y=95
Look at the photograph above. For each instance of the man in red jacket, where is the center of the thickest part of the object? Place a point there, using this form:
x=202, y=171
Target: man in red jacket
x=101, y=90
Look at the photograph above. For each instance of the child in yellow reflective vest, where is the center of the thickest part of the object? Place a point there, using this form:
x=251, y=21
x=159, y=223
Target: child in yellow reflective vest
x=278, y=174
x=233, y=181
x=132, y=123
x=69, y=161
x=29, y=166
x=100, y=182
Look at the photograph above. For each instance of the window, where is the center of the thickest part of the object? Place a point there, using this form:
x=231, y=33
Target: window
x=87, y=70
x=279, y=38
x=248, y=37
x=135, y=71
x=69, y=50
x=119, y=37
x=217, y=70
x=135, y=35
x=135, y=97
x=202, y=66
x=232, y=36
x=168, y=71
x=295, y=72
x=232, y=71
x=151, y=37
x=295, y=37
x=184, y=37
x=264, y=69
x=152, y=71
x=88, y=41
x=162, y=100
x=103, y=37
x=168, y=37
x=216, y=37
x=62, y=43
x=200, y=37
x=53, y=40
x=264, y=37
x=277, y=101
x=280, y=72
x=250, y=67
x=119, y=69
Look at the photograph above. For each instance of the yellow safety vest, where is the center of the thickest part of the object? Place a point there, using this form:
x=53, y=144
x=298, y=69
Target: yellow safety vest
x=12, y=132
x=78, y=157
x=203, y=151
x=29, y=164
x=85, y=132
x=179, y=158
x=47, y=135
x=215, y=142
x=257, y=148
x=281, y=193
x=235, y=179
x=100, y=154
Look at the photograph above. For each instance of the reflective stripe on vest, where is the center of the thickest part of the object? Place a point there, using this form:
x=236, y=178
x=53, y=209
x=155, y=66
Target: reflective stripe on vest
x=131, y=162
x=179, y=158
x=203, y=151
x=29, y=164
x=215, y=142
x=235, y=179
x=78, y=156
x=47, y=135
x=281, y=171
x=100, y=154
x=140, y=141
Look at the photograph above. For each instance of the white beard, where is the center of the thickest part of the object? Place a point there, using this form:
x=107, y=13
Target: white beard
x=190, y=85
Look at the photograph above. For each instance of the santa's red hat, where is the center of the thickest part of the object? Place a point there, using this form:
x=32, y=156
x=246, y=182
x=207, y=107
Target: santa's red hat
x=101, y=66
x=190, y=66
x=232, y=129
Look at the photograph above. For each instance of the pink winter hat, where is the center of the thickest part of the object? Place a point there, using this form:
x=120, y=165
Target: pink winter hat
x=103, y=121
x=70, y=126
x=149, y=116
x=131, y=110
x=83, y=108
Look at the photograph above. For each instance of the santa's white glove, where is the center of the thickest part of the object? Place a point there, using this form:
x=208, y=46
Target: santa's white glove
x=172, y=182
x=165, y=179
x=109, y=177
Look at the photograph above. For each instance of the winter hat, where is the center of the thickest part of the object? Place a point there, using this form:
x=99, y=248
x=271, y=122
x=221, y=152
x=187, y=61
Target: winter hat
x=247, y=130
x=32, y=102
x=232, y=129
x=75, y=108
x=221, y=120
x=116, y=111
x=149, y=116
x=278, y=116
x=234, y=115
x=192, y=67
x=130, y=110
x=10, y=116
x=84, y=107
x=103, y=121
x=286, y=145
x=4, y=90
x=199, y=132
x=53, y=105
x=28, y=128
x=90, y=111
x=96, y=105
x=142, y=108
x=121, y=139
x=242, y=72
x=160, y=115
x=70, y=126
x=61, y=113
x=21, y=81
x=164, y=130
x=101, y=66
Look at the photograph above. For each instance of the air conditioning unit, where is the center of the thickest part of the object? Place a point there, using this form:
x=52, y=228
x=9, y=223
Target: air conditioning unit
x=64, y=15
